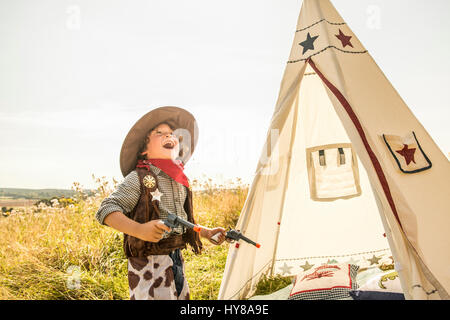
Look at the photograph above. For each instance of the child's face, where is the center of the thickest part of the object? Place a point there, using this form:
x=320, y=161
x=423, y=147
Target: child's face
x=163, y=144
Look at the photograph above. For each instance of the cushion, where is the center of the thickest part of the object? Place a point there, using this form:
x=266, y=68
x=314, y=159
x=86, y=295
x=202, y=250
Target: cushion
x=376, y=295
x=326, y=282
x=384, y=282
x=366, y=274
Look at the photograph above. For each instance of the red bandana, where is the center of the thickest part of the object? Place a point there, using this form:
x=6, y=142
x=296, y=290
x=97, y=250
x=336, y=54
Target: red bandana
x=173, y=169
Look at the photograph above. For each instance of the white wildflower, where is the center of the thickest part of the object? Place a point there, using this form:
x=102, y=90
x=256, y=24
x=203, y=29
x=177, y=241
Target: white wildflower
x=54, y=202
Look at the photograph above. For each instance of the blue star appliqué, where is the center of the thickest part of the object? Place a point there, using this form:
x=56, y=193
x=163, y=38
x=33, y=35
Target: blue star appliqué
x=308, y=44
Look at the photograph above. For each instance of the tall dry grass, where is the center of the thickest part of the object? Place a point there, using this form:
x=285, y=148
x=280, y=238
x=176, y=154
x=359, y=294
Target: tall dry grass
x=64, y=253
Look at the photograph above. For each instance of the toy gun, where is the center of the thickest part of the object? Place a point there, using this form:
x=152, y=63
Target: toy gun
x=237, y=235
x=173, y=221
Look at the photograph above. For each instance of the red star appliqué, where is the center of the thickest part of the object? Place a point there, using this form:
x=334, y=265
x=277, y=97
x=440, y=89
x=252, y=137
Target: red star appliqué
x=407, y=153
x=344, y=39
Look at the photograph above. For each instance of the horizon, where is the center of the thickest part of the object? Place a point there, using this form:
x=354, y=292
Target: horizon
x=75, y=77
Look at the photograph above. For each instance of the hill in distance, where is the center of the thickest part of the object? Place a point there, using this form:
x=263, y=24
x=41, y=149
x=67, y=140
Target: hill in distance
x=22, y=193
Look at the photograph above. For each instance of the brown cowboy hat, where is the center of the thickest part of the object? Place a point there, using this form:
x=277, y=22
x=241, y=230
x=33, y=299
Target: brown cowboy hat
x=177, y=118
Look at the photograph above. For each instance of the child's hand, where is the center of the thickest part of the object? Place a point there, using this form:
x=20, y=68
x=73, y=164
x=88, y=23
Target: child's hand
x=153, y=230
x=216, y=235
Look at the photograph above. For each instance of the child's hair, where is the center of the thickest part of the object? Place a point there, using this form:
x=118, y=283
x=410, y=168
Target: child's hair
x=145, y=141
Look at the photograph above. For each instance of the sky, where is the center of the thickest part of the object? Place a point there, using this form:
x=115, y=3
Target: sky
x=76, y=75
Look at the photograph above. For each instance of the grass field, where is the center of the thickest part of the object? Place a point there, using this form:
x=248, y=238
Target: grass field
x=64, y=253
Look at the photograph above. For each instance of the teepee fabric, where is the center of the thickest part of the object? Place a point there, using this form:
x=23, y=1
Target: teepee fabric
x=347, y=173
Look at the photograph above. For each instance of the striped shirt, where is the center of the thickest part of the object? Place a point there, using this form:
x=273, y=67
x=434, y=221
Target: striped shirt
x=127, y=194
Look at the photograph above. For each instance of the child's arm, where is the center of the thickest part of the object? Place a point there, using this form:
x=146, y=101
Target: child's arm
x=151, y=231
x=124, y=199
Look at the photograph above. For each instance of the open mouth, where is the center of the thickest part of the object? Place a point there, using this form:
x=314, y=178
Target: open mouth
x=169, y=144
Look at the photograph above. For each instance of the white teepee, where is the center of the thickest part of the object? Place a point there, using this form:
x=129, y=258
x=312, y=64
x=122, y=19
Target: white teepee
x=347, y=172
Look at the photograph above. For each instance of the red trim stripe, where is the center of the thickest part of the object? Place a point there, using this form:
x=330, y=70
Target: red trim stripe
x=360, y=130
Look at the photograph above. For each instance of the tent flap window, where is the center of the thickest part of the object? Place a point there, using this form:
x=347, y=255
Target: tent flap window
x=333, y=172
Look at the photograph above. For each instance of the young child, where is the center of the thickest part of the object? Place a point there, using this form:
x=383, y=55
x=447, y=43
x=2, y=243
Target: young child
x=152, y=161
